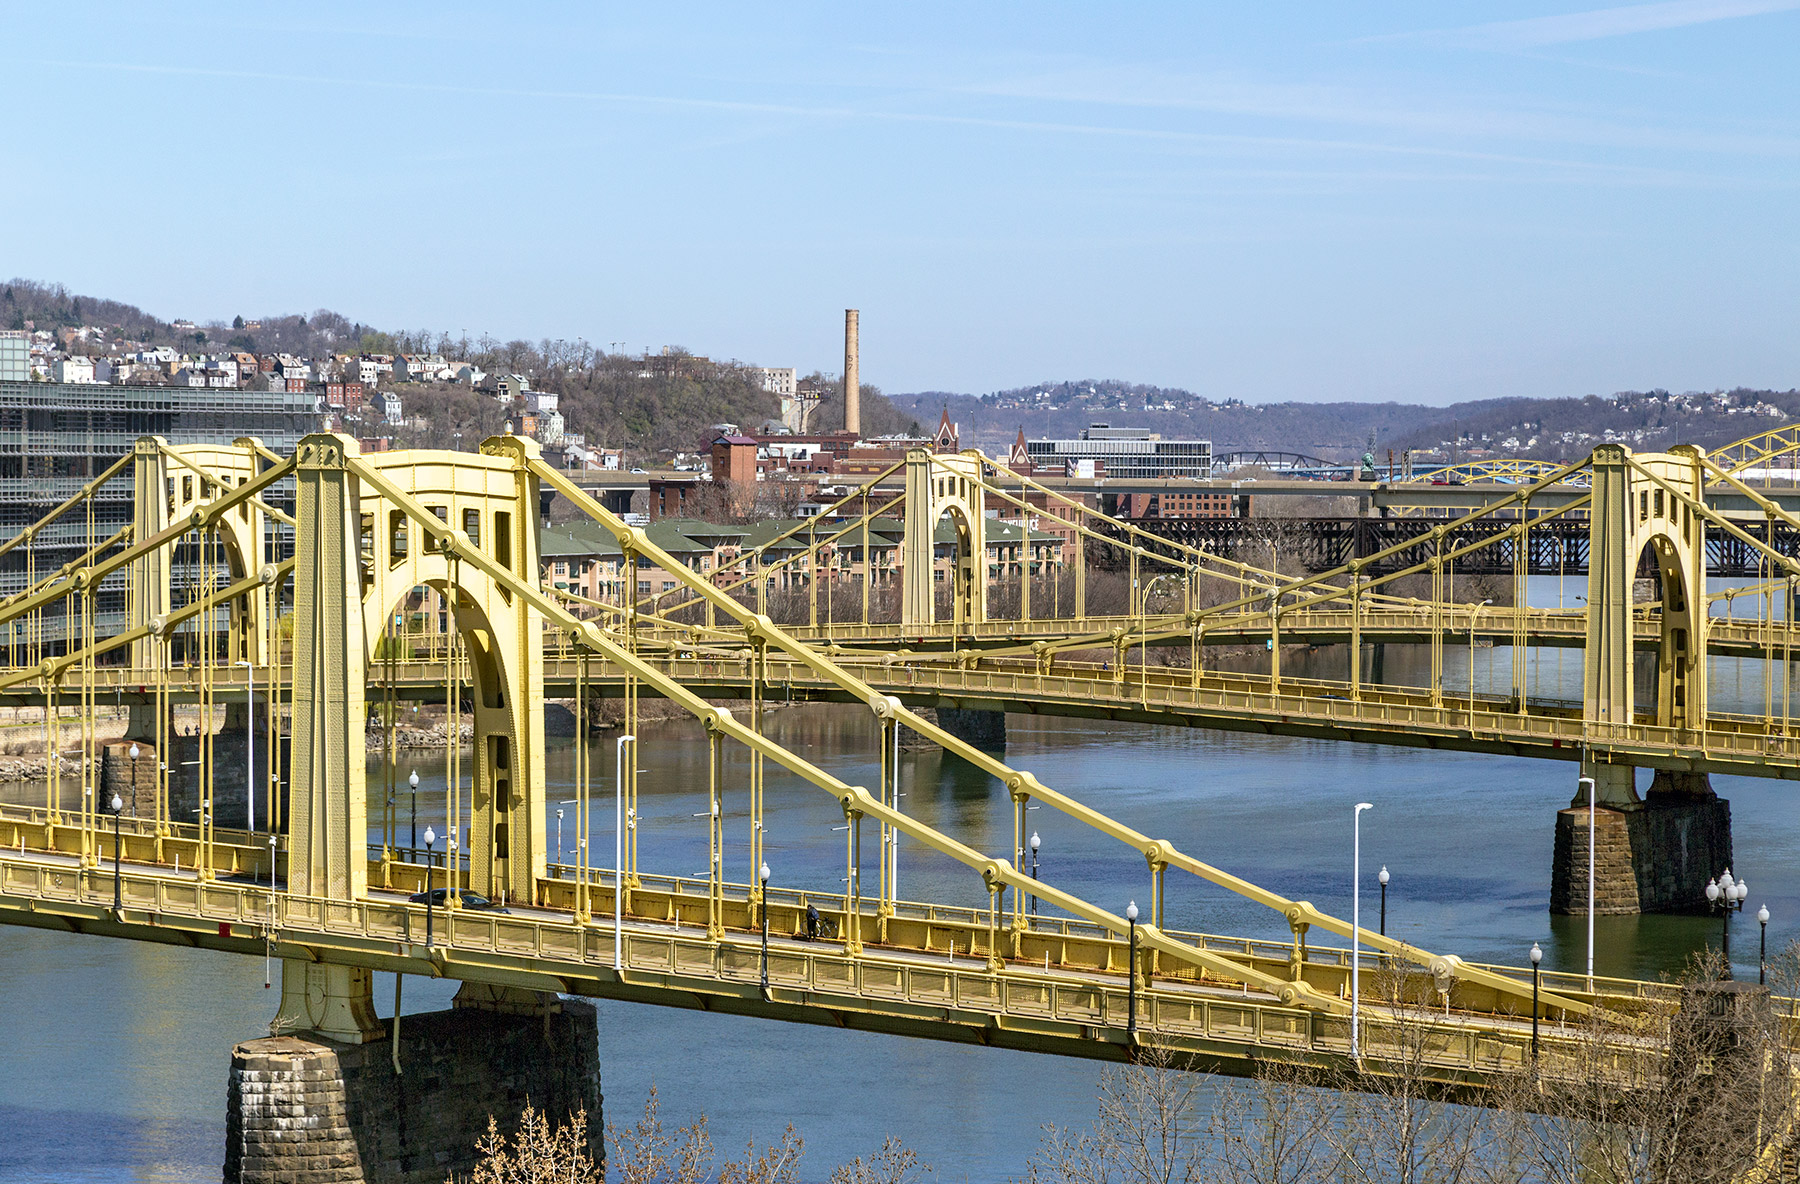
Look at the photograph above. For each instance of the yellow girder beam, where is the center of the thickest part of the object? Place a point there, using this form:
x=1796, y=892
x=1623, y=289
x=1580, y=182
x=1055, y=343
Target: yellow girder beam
x=50, y=668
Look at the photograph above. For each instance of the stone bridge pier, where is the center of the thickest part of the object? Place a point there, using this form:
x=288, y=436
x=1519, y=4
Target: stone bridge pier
x=1652, y=854
x=135, y=781
x=382, y=1103
x=981, y=728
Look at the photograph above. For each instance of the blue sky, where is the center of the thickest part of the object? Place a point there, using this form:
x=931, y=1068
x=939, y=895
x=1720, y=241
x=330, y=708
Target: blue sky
x=1427, y=202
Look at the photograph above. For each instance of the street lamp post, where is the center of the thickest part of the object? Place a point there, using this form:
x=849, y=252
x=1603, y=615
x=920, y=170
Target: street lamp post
x=1762, y=954
x=1592, y=819
x=117, y=886
x=430, y=838
x=1131, y=915
x=413, y=781
x=1537, y=956
x=1035, y=842
x=133, y=754
x=1714, y=893
x=762, y=876
x=249, y=746
x=559, y=846
x=619, y=852
x=1726, y=895
x=1356, y=927
x=1382, y=877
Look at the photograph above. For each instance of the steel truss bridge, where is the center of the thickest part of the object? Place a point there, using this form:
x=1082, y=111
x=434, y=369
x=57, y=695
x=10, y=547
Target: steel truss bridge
x=316, y=634
x=1557, y=546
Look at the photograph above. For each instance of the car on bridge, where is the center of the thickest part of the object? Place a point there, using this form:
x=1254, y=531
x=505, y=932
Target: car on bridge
x=464, y=898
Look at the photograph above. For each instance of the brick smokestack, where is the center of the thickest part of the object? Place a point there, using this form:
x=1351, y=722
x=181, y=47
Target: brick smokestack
x=852, y=380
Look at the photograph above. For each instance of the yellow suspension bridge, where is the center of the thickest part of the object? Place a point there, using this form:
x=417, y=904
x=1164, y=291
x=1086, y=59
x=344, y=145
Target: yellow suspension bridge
x=291, y=614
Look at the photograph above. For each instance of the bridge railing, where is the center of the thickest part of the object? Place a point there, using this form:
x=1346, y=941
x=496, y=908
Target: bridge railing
x=143, y=840
x=1728, y=740
x=974, y=918
x=673, y=965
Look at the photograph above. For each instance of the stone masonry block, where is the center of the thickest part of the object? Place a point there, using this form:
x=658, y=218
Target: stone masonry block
x=313, y=1112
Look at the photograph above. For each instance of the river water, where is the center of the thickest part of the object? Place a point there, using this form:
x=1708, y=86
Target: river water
x=113, y=1055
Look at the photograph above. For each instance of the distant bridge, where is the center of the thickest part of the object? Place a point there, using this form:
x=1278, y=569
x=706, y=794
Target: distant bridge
x=1554, y=545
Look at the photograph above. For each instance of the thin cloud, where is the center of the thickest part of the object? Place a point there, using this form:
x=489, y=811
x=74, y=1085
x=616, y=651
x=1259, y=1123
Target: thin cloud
x=1105, y=86
x=1176, y=138
x=1595, y=24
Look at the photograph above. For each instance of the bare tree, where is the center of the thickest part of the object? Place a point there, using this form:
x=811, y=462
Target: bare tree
x=1707, y=1092
x=1270, y=1131
x=1384, y=1121
x=646, y=1153
x=1392, y=1124
x=895, y=1163
x=539, y=1153
x=1148, y=1131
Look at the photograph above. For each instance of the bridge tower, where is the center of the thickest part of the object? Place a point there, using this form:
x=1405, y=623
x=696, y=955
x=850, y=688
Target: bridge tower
x=938, y=485
x=171, y=485
x=1634, y=514
x=1658, y=851
x=363, y=546
x=360, y=552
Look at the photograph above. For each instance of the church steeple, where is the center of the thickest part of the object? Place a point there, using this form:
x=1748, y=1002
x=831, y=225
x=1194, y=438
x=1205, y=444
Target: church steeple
x=1019, y=456
x=945, y=439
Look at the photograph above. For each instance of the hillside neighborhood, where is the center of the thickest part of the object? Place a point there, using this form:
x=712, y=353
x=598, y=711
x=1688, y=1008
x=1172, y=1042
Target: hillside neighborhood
x=660, y=409
x=362, y=394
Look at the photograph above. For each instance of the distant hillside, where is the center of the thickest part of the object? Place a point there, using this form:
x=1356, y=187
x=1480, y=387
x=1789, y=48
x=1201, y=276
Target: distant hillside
x=1560, y=429
x=1545, y=428
x=670, y=402
x=664, y=404
x=54, y=307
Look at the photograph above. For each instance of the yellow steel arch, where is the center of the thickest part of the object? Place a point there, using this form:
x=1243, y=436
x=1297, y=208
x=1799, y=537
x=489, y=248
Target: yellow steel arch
x=1754, y=451
x=193, y=476
x=1645, y=502
x=1503, y=471
x=1748, y=453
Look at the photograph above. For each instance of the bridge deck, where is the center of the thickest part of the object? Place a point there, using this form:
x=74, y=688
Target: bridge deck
x=1750, y=745
x=1547, y=628
x=1070, y=998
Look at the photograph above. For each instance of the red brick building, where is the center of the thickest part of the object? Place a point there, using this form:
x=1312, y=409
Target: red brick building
x=734, y=459
x=1201, y=503
x=674, y=497
x=343, y=395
